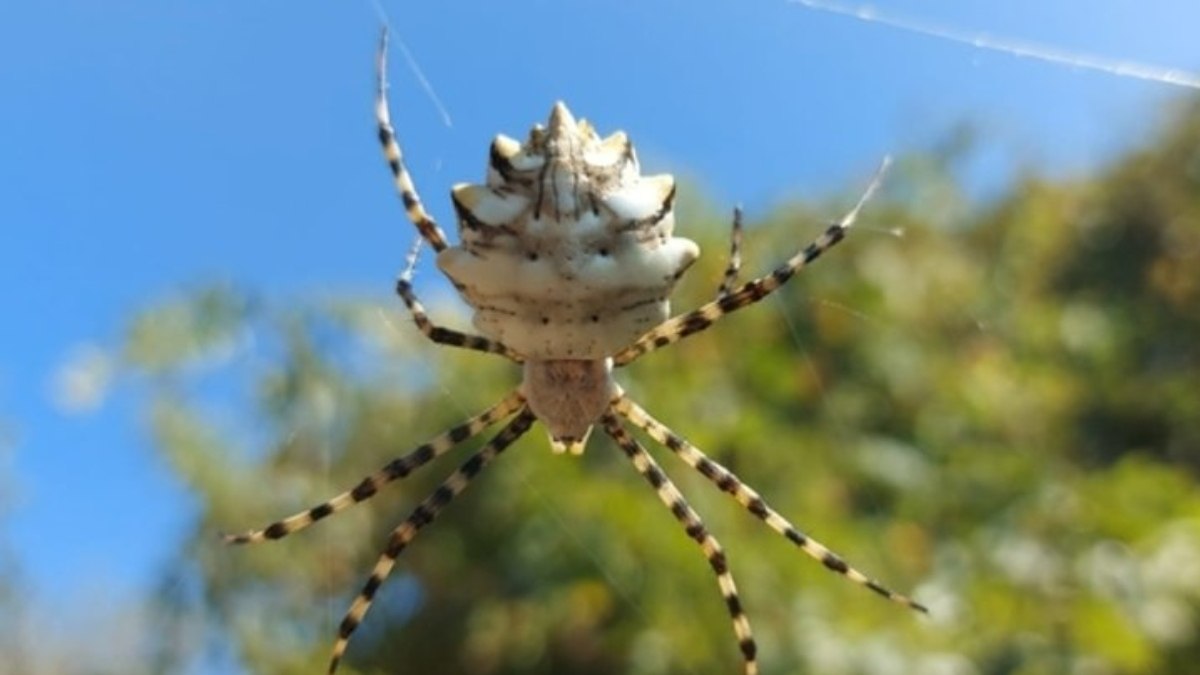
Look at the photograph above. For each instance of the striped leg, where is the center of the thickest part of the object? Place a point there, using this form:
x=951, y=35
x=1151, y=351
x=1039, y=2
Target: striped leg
x=748, y=498
x=396, y=469
x=395, y=158
x=735, y=255
x=421, y=516
x=438, y=334
x=676, y=328
x=671, y=497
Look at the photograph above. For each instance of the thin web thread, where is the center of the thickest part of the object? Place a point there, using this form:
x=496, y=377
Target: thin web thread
x=1141, y=71
x=412, y=64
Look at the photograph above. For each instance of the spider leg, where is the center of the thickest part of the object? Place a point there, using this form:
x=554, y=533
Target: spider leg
x=394, y=470
x=671, y=497
x=678, y=327
x=735, y=255
x=438, y=334
x=421, y=516
x=751, y=500
x=424, y=223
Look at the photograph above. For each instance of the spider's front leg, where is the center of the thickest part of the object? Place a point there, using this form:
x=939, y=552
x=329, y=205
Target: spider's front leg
x=425, y=224
x=676, y=328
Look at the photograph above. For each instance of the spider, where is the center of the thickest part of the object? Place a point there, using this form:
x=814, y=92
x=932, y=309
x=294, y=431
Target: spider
x=567, y=259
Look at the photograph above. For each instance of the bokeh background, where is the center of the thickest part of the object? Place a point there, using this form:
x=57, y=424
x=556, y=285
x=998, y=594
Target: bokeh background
x=987, y=396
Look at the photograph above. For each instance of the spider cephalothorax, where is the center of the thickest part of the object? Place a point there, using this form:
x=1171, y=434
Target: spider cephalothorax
x=567, y=258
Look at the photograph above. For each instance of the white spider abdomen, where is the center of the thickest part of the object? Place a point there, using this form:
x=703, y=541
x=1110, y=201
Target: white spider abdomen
x=567, y=250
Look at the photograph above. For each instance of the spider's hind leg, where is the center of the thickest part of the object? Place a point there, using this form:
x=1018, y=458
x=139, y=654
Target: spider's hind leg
x=727, y=482
x=422, y=515
x=674, y=500
x=394, y=470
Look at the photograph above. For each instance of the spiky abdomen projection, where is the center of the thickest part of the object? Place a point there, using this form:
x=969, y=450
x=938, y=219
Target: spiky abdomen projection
x=567, y=252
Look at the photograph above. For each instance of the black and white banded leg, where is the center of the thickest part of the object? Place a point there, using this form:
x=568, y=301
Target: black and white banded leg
x=676, y=328
x=425, y=224
x=422, y=515
x=439, y=334
x=394, y=470
x=694, y=526
x=727, y=482
x=735, y=255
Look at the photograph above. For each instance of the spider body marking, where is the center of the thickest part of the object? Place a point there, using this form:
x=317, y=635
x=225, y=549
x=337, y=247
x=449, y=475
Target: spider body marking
x=568, y=258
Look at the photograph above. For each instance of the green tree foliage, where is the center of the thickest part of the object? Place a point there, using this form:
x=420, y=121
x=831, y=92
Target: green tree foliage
x=997, y=411
x=12, y=601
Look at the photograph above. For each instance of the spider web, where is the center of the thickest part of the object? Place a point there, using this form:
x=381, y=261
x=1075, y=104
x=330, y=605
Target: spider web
x=1007, y=45
x=1049, y=54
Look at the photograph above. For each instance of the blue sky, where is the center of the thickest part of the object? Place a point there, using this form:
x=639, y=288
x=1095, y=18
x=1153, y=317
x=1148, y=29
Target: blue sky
x=151, y=145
